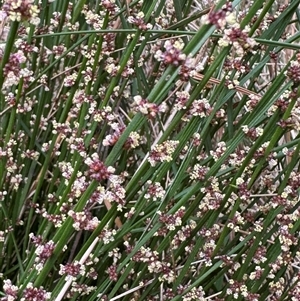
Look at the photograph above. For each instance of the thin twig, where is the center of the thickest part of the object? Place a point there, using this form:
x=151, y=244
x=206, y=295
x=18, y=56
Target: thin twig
x=215, y=81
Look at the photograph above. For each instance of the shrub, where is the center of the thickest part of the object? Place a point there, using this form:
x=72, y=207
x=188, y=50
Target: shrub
x=149, y=150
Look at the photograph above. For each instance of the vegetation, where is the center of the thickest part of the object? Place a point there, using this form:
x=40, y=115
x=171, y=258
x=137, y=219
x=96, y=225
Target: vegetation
x=149, y=150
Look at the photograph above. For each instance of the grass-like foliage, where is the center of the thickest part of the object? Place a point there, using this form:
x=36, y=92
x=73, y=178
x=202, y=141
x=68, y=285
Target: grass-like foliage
x=149, y=150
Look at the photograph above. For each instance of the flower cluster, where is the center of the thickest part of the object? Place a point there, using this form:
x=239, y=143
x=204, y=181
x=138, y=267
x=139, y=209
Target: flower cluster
x=72, y=270
x=295, y=291
x=219, y=151
x=171, y=221
x=221, y=17
x=110, y=6
x=252, y=133
x=13, y=70
x=138, y=21
x=112, y=272
x=133, y=141
x=212, y=198
x=107, y=235
x=183, y=234
x=21, y=10
x=43, y=250
x=173, y=53
x=97, y=170
x=154, y=191
x=83, y=220
x=95, y=19
x=238, y=38
x=236, y=63
x=198, y=172
x=30, y=293
x=225, y=21
x=116, y=192
x=81, y=289
x=154, y=264
x=163, y=20
x=293, y=71
x=196, y=293
x=182, y=98
x=252, y=102
x=200, y=108
x=10, y=290
x=162, y=152
x=147, y=108
x=237, y=289
x=112, y=139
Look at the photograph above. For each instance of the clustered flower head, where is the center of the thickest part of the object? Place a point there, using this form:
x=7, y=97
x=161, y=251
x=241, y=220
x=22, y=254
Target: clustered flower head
x=10, y=290
x=146, y=107
x=72, y=270
x=21, y=10
x=138, y=21
x=112, y=272
x=110, y=6
x=173, y=53
x=236, y=63
x=14, y=71
x=107, y=235
x=30, y=293
x=221, y=17
x=212, y=196
x=225, y=21
x=95, y=19
x=164, y=18
x=182, y=98
x=196, y=293
x=154, y=191
x=252, y=133
x=111, y=139
x=188, y=68
x=97, y=170
x=200, y=108
x=198, y=172
x=252, y=102
x=182, y=234
x=83, y=220
x=133, y=141
x=238, y=38
x=237, y=289
x=293, y=71
x=154, y=264
x=163, y=152
x=43, y=250
x=219, y=151
x=171, y=221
